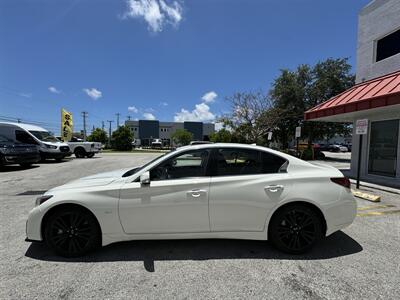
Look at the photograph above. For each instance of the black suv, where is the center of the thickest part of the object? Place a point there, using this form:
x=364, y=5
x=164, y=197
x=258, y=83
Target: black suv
x=12, y=152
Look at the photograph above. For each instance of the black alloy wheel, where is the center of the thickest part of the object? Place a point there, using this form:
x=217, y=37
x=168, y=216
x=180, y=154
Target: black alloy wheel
x=295, y=229
x=80, y=153
x=72, y=232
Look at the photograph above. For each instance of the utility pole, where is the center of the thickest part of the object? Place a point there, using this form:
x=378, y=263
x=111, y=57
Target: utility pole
x=109, y=133
x=102, y=125
x=118, y=114
x=84, y=115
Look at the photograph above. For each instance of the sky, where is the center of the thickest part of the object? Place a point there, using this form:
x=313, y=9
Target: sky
x=170, y=60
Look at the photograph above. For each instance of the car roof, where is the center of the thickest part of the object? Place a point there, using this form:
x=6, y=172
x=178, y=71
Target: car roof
x=24, y=126
x=288, y=157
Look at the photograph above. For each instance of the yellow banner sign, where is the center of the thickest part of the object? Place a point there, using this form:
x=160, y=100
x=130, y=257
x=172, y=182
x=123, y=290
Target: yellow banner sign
x=66, y=125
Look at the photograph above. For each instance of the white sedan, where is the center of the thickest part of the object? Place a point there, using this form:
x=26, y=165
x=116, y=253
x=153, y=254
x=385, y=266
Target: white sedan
x=204, y=191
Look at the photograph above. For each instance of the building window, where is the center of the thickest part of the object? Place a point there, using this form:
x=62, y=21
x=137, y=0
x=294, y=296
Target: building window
x=388, y=46
x=384, y=138
x=135, y=128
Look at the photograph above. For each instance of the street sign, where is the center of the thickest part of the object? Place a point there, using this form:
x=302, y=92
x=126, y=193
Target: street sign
x=298, y=132
x=269, y=137
x=362, y=126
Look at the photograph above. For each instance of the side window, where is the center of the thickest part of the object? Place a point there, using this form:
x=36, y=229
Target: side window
x=236, y=161
x=23, y=137
x=185, y=165
x=272, y=163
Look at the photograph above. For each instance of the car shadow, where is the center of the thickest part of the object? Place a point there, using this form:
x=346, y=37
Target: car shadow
x=15, y=168
x=337, y=245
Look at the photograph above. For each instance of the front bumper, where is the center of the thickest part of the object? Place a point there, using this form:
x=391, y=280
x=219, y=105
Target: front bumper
x=33, y=225
x=56, y=155
x=26, y=158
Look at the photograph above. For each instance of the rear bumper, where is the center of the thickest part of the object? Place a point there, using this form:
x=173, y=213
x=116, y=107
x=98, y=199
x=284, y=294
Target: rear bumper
x=342, y=213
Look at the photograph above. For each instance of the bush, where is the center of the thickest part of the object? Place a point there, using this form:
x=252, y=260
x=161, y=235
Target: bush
x=122, y=139
x=98, y=135
x=182, y=137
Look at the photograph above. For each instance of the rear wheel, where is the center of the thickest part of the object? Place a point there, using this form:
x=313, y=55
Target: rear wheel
x=80, y=153
x=72, y=232
x=295, y=229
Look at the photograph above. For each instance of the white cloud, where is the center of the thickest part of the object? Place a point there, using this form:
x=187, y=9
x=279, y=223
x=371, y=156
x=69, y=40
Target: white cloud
x=201, y=113
x=93, y=93
x=163, y=103
x=149, y=116
x=133, y=109
x=156, y=13
x=219, y=126
x=54, y=90
x=209, y=97
x=25, y=95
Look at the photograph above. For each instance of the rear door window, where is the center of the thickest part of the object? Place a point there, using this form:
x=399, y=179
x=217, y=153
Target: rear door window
x=237, y=161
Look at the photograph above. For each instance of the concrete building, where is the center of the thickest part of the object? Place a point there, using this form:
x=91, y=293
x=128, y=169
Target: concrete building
x=148, y=130
x=375, y=97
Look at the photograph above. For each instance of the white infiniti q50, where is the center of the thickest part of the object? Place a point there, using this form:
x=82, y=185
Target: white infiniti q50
x=204, y=191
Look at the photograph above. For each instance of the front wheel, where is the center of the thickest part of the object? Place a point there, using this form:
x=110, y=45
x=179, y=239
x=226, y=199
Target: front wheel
x=72, y=232
x=295, y=229
x=80, y=153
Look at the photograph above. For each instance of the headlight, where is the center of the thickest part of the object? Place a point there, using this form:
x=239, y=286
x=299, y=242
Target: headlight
x=42, y=199
x=50, y=146
x=7, y=150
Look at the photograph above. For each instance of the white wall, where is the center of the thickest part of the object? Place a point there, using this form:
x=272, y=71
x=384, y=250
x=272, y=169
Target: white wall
x=375, y=21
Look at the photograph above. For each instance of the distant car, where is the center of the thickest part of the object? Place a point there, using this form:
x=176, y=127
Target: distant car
x=136, y=143
x=195, y=192
x=338, y=148
x=156, y=143
x=12, y=152
x=200, y=142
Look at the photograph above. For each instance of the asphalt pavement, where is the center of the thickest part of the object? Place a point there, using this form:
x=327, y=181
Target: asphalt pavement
x=359, y=262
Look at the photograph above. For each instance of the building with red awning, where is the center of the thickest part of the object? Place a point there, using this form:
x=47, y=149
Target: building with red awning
x=375, y=97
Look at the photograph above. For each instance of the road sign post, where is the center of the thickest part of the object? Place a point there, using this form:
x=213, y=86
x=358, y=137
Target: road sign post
x=361, y=129
x=297, y=136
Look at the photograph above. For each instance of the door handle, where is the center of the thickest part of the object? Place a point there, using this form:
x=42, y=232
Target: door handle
x=196, y=193
x=274, y=188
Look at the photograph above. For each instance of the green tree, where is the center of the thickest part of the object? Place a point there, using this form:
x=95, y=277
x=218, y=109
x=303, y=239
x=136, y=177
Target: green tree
x=182, y=137
x=98, y=135
x=294, y=92
x=221, y=136
x=122, y=138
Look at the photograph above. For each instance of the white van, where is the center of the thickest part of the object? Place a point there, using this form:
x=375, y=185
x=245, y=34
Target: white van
x=49, y=146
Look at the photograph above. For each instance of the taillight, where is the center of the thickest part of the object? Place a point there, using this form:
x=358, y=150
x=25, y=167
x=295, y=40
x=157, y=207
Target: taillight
x=343, y=181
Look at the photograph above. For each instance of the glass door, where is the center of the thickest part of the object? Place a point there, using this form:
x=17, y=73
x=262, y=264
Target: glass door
x=383, y=145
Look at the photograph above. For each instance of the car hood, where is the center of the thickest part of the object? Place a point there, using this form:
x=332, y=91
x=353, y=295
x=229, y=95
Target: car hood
x=93, y=180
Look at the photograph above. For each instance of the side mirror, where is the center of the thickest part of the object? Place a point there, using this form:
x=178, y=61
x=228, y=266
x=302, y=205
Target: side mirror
x=145, y=178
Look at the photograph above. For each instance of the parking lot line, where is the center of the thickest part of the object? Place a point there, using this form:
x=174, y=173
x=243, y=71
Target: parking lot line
x=378, y=213
x=374, y=207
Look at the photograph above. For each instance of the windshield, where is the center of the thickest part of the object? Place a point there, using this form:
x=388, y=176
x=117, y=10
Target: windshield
x=135, y=170
x=44, y=136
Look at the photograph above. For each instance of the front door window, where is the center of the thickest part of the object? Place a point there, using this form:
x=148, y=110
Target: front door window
x=383, y=148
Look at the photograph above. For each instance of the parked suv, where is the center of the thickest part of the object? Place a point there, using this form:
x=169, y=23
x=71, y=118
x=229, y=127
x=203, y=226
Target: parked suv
x=49, y=146
x=12, y=152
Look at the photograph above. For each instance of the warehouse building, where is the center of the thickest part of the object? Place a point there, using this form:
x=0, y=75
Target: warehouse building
x=148, y=130
x=375, y=97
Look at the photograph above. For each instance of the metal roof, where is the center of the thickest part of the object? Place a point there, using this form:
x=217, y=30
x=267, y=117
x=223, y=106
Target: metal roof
x=375, y=93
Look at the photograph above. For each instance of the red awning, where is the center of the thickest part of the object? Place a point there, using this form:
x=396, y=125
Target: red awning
x=375, y=93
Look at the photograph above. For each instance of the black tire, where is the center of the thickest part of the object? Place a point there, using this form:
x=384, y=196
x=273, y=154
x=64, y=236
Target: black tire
x=80, y=153
x=59, y=159
x=90, y=155
x=72, y=232
x=25, y=165
x=295, y=229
